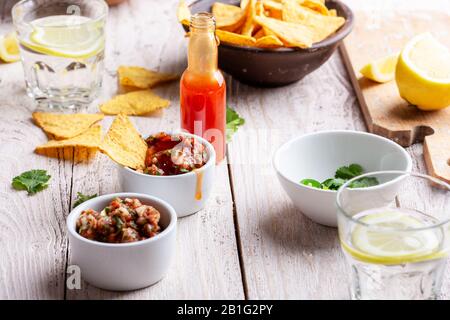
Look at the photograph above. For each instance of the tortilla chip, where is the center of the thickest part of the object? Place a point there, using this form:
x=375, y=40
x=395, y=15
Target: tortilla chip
x=123, y=144
x=65, y=126
x=259, y=8
x=243, y=3
x=268, y=32
x=89, y=139
x=316, y=5
x=228, y=17
x=320, y=25
x=249, y=24
x=276, y=14
x=269, y=42
x=134, y=103
x=293, y=34
x=259, y=34
x=272, y=5
x=273, y=8
x=183, y=13
x=332, y=12
x=234, y=38
x=142, y=78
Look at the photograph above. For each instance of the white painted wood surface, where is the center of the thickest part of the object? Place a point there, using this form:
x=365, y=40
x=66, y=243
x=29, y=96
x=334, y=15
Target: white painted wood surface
x=33, y=242
x=261, y=248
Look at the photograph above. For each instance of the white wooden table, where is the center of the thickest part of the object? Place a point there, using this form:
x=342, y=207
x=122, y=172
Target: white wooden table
x=250, y=242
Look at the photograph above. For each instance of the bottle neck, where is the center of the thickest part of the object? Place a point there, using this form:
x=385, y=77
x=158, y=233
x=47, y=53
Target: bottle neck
x=202, y=51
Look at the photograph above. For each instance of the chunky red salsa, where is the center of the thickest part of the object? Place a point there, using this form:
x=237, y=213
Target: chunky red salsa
x=126, y=220
x=174, y=154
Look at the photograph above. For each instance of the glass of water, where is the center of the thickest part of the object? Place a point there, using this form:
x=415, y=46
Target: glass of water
x=62, y=46
x=395, y=235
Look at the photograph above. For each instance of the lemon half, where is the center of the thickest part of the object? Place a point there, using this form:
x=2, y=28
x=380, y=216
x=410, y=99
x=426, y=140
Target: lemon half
x=392, y=241
x=382, y=70
x=423, y=73
x=9, y=48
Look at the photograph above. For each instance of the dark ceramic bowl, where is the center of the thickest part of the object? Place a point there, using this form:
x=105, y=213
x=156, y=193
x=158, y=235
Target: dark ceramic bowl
x=277, y=67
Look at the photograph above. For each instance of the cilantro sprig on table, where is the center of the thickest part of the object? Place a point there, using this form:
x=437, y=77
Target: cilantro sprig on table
x=342, y=175
x=32, y=181
x=234, y=121
x=83, y=198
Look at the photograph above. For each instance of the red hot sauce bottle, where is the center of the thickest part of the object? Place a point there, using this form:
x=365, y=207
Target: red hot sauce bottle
x=202, y=86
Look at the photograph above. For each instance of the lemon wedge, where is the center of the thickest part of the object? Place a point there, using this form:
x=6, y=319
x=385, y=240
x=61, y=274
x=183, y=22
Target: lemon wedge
x=382, y=70
x=390, y=239
x=9, y=48
x=423, y=73
x=65, y=36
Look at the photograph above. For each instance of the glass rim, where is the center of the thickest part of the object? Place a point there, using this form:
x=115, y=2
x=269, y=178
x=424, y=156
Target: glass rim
x=401, y=173
x=102, y=15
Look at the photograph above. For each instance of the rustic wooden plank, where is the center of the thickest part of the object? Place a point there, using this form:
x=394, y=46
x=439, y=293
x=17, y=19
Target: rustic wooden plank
x=32, y=228
x=207, y=265
x=286, y=255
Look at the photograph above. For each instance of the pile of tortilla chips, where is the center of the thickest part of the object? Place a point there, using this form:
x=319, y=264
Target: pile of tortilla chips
x=271, y=23
x=122, y=143
x=69, y=130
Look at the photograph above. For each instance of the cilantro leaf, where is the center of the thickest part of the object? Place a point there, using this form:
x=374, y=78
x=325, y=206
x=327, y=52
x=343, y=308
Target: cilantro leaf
x=349, y=172
x=333, y=184
x=343, y=174
x=364, y=182
x=234, y=121
x=82, y=198
x=311, y=183
x=32, y=181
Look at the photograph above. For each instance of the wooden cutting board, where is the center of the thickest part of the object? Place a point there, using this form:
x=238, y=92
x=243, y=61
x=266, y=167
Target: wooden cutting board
x=375, y=35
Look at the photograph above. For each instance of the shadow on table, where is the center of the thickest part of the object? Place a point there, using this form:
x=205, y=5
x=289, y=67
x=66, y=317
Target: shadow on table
x=90, y=292
x=293, y=231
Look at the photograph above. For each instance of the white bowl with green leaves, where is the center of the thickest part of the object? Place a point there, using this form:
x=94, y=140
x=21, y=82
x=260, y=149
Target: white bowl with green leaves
x=313, y=166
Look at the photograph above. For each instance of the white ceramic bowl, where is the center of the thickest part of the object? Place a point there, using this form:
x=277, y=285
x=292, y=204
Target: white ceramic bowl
x=318, y=155
x=187, y=192
x=124, y=266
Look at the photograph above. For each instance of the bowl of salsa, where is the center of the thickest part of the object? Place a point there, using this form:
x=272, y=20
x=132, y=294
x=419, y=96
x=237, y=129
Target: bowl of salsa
x=122, y=241
x=179, y=168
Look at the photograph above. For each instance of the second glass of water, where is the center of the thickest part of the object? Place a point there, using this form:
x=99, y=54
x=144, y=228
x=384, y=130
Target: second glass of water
x=62, y=49
x=395, y=235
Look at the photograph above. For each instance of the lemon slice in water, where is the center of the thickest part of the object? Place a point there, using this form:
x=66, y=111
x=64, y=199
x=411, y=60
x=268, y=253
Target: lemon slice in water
x=9, y=48
x=382, y=70
x=66, y=36
x=390, y=239
x=423, y=73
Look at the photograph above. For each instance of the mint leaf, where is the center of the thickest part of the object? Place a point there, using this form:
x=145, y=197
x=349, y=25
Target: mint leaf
x=349, y=172
x=311, y=183
x=364, y=182
x=82, y=198
x=234, y=121
x=32, y=181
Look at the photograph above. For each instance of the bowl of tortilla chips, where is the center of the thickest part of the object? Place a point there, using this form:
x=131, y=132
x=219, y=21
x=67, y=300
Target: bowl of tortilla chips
x=269, y=43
